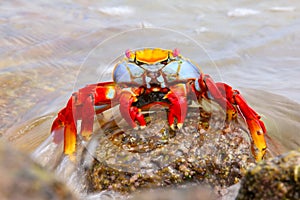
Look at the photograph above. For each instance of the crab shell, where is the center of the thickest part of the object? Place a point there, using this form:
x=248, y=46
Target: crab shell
x=154, y=67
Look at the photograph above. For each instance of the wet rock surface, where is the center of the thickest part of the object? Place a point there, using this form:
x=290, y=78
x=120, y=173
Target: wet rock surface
x=205, y=150
x=277, y=178
x=21, y=178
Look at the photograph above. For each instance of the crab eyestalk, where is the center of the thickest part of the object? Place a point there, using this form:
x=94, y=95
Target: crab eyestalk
x=175, y=52
x=129, y=55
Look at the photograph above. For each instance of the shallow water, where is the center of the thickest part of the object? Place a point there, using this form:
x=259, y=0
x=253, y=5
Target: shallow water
x=48, y=49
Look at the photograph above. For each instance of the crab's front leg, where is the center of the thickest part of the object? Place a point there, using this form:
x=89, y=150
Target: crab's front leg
x=227, y=98
x=82, y=107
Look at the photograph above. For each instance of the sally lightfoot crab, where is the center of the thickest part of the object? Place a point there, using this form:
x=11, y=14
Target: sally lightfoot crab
x=148, y=77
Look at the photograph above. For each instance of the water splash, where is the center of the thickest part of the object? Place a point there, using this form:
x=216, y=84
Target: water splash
x=242, y=12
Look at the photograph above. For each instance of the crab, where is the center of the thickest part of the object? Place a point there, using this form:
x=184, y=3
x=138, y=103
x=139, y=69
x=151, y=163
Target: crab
x=147, y=77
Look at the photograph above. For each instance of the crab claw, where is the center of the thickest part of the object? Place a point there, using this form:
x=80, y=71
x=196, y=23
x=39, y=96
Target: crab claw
x=178, y=105
x=129, y=112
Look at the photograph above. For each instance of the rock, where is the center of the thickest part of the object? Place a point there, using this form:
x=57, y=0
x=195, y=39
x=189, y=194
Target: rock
x=277, y=178
x=22, y=178
x=205, y=150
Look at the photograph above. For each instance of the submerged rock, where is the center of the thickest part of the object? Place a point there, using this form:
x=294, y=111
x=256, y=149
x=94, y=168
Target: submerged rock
x=206, y=150
x=21, y=178
x=278, y=178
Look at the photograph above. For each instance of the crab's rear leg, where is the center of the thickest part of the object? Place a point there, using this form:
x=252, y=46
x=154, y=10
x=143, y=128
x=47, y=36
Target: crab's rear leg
x=228, y=98
x=64, y=128
x=81, y=107
x=256, y=126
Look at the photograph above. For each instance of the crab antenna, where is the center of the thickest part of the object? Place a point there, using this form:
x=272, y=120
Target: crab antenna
x=175, y=52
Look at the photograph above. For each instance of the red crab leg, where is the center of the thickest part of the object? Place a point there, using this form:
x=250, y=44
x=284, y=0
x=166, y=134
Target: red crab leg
x=208, y=87
x=81, y=106
x=129, y=112
x=255, y=125
x=226, y=97
x=64, y=128
x=178, y=107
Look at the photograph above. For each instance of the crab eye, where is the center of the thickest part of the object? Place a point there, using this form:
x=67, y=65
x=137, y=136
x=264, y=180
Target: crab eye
x=175, y=52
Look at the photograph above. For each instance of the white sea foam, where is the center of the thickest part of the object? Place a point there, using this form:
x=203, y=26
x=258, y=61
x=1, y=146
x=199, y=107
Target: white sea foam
x=282, y=9
x=117, y=10
x=241, y=12
x=201, y=30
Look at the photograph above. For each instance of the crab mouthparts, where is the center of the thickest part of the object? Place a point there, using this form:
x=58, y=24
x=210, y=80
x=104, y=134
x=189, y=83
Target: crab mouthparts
x=154, y=79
